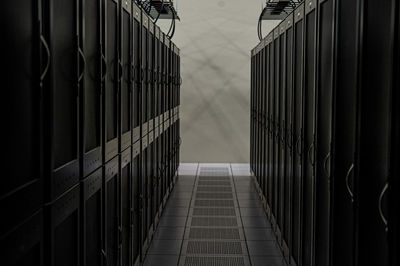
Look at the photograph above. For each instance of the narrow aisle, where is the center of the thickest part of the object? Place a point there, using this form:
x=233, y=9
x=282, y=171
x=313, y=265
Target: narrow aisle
x=214, y=217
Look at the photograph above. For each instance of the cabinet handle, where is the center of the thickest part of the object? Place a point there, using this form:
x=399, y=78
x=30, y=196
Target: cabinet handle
x=297, y=146
x=82, y=55
x=384, y=220
x=347, y=182
x=103, y=59
x=121, y=70
x=326, y=163
x=46, y=69
x=309, y=153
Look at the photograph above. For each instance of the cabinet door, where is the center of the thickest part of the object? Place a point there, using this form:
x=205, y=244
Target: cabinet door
x=90, y=37
x=374, y=131
x=111, y=93
x=324, y=96
x=298, y=106
x=22, y=187
x=344, y=134
x=310, y=27
x=125, y=73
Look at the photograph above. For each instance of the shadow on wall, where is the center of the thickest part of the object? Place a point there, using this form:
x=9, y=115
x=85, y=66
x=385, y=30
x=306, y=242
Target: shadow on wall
x=215, y=38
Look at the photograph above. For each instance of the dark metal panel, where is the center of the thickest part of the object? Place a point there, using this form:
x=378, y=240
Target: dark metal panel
x=111, y=211
x=61, y=96
x=289, y=141
x=136, y=205
x=137, y=74
x=62, y=245
x=344, y=132
x=324, y=95
x=271, y=121
x=24, y=245
x=91, y=86
x=125, y=74
x=91, y=219
x=111, y=90
x=373, y=130
x=126, y=207
x=144, y=73
x=298, y=106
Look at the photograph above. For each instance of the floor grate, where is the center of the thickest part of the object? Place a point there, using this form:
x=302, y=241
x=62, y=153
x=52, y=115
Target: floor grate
x=213, y=203
x=214, y=261
x=214, y=212
x=214, y=178
x=214, y=221
x=214, y=183
x=211, y=247
x=214, y=233
x=213, y=189
x=203, y=195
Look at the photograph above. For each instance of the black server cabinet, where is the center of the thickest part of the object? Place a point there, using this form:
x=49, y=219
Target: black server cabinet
x=323, y=129
x=111, y=212
x=125, y=74
x=167, y=43
x=344, y=133
x=157, y=110
x=144, y=73
x=126, y=222
x=256, y=108
x=169, y=114
x=112, y=79
x=151, y=131
x=61, y=96
x=137, y=201
x=266, y=59
x=144, y=135
x=62, y=220
x=159, y=118
x=137, y=74
x=262, y=114
x=91, y=89
x=310, y=33
x=136, y=136
x=252, y=70
x=92, y=252
x=162, y=126
x=289, y=139
x=298, y=136
x=271, y=138
x=276, y=129
x=24, y=245
x=281, y=129
x=373, y=131
x=23, y=81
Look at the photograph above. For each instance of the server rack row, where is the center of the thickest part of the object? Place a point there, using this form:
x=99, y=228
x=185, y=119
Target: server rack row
x=92, y=101
x=325, y=132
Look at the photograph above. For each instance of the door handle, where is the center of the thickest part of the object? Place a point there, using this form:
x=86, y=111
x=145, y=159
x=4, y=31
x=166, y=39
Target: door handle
x=309, y=154
x=347, y=182
x=82, y=55
x=103, y=59
x=121, y=70
x=326, y=163
x=384, y=220
x=297, y=146
x=46, y=69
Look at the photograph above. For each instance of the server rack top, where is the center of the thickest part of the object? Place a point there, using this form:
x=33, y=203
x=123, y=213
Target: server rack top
x=299, y=13
x=310, y=5
x=151, y=26
x=282, y=27
x=157, y=31
x=127, y=5
x=289, y=21
x=145, y=20
x=276, y=32
x=137, y=12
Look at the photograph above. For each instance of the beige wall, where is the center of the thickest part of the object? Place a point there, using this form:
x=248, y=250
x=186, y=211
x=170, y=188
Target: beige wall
x=215, y=38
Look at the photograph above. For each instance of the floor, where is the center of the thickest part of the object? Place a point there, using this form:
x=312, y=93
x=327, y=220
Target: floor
x=214, y=218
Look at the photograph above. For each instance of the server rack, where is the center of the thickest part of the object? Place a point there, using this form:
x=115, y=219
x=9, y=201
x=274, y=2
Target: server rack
x=333, y=130
x=79, y=196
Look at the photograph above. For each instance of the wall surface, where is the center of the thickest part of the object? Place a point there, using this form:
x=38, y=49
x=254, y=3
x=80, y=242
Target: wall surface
x=215, y=38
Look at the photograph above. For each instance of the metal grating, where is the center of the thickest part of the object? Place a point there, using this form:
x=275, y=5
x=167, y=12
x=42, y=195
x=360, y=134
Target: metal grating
x=214, y=183
x=214, y=212
x=214, y=233
x=214, y=178
x=214, y=174
x=214, y=221
x=214, y=189
x=208, y=247
x=207, y=168
x=203, y=195
x=214, y=261
x=213, y=203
